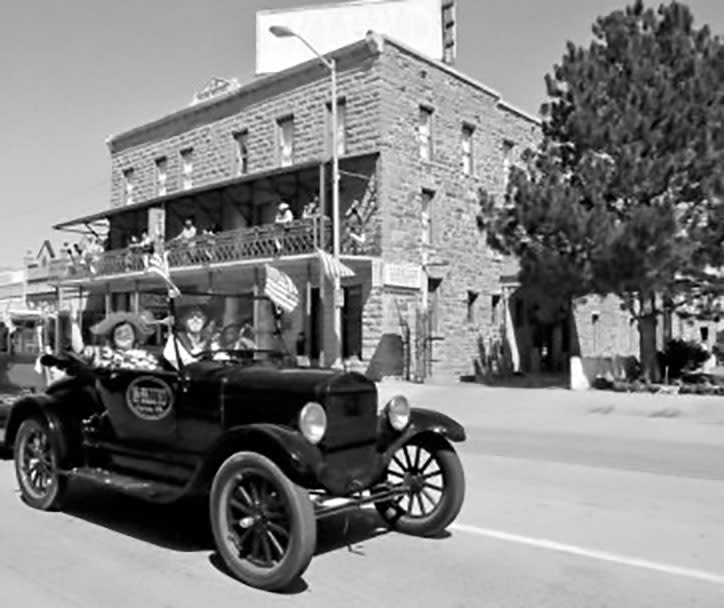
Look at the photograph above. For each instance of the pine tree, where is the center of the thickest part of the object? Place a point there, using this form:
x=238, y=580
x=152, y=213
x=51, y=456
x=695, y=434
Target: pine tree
x=625, y=194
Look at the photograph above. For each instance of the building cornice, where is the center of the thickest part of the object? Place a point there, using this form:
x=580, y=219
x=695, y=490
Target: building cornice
x=372, y=45
x=366, y=47
x=502, y=104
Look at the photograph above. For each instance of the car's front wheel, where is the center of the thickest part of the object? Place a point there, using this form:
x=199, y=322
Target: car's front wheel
x=263, y=523
x=36, y=466
x=432, y=473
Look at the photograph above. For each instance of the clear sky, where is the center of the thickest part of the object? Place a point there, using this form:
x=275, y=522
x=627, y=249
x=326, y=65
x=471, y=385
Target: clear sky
x=73, y=72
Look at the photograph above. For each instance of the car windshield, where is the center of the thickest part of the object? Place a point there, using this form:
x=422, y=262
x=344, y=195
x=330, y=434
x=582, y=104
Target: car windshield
x=206, y=323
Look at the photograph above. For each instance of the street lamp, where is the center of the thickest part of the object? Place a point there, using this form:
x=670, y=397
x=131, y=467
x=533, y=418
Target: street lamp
x=281, y=31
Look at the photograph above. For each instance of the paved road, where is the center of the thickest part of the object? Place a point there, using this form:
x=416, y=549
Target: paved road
x=564, y=509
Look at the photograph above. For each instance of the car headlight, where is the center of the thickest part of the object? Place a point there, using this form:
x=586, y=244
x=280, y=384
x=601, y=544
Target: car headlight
x=313, y=422
x=398, y=412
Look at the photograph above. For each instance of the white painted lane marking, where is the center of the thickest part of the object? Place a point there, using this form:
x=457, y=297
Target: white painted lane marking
x=604, y=556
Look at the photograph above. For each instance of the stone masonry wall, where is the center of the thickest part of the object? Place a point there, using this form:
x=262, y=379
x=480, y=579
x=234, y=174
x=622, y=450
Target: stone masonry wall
x=409, y=82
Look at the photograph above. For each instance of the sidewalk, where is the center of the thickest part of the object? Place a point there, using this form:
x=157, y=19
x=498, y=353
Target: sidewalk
x=674, y=417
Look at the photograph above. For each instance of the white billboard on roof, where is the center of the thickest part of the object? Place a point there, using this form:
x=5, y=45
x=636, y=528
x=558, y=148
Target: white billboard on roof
x=417, y=23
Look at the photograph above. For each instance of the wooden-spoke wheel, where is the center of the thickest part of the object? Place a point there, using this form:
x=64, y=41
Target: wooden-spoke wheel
x=263, y=524
x=36, y=466
x=431, y=471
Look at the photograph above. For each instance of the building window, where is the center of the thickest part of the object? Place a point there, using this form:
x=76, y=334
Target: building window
x=341, y=127
x=424, y=133
x=187, y=168
x=494, y=309
x=426, y=197
x=466, y=146
x=352, y=322
x=507, y=162
x=161, y=176
x=129, y=177
x=241, y=152
x=472, y=299
x=285, y=141
x=433, y=298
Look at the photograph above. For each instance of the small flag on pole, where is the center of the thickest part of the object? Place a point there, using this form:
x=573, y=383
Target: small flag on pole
x=332, y=267
x=280, y=289
x=158, y=264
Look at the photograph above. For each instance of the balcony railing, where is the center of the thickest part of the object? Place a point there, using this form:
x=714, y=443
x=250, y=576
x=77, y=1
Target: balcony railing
x=266, y=241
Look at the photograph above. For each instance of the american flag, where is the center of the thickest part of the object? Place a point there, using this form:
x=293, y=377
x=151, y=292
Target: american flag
x=158, y=264
x=333, y=268
x=280, y=289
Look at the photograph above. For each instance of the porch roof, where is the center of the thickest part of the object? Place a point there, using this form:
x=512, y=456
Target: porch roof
x=306, y=172
x=215, y=272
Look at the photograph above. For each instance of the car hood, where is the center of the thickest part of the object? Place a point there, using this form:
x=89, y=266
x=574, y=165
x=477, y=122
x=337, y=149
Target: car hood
x=312, y=383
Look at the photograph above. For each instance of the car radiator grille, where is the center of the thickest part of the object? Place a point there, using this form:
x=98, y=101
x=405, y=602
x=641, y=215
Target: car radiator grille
x=351, y=419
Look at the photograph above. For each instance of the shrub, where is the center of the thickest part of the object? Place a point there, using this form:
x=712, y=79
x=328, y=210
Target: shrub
x=682, y=356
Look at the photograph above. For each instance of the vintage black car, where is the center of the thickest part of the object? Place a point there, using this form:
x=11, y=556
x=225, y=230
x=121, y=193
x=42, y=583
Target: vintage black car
x=273, y=445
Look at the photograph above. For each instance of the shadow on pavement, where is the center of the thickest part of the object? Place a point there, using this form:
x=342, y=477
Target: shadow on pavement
x=185, y=526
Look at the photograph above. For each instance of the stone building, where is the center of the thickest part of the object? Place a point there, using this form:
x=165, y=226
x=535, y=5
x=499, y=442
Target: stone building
x=418, y=139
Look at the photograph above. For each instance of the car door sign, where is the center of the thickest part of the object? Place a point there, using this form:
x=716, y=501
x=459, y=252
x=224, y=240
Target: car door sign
x=149, y=398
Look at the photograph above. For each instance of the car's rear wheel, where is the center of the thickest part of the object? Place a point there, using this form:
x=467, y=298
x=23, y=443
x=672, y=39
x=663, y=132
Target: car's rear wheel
x=431, y=470
x=36, y=466
x=263, y=523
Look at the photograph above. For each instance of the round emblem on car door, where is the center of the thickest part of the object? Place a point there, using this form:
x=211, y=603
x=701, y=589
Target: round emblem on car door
x=149, y=398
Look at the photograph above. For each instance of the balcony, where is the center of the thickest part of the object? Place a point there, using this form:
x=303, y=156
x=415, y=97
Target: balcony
x=299, y=237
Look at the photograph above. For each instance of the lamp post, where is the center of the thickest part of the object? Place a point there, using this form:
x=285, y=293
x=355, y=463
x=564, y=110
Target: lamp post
x=281, y=31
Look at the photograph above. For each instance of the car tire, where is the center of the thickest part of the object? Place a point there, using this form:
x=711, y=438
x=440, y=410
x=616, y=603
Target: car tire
x=433, y=468
x=263, y=523
x=37, y=466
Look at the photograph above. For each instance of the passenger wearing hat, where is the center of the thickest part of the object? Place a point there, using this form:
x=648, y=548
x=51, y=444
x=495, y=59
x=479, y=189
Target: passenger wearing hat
x=123, y=332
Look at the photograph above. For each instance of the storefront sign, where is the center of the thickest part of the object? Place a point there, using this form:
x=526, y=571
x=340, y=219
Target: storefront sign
x=408, y=276
x=149, y=398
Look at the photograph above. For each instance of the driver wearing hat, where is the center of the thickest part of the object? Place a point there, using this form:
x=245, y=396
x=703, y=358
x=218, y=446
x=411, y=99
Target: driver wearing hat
x=193, y=337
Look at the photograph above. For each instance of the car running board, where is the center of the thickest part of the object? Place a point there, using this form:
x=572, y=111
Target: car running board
x=145, y=489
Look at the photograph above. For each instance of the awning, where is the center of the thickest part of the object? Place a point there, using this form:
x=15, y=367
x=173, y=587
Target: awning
x=306, y=173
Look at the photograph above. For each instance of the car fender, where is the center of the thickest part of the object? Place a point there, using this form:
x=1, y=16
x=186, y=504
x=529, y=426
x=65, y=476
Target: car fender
x=44, y=408
x=288, y=449
x=424, y=421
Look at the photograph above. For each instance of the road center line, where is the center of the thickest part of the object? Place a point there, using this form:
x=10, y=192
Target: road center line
x=604, y=556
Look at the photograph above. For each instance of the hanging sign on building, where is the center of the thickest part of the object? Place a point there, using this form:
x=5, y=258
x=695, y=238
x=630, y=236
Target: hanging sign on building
x=408, y=276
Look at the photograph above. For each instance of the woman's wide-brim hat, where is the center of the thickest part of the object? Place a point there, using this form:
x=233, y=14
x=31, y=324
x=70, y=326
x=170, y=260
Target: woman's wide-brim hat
x=113, y=320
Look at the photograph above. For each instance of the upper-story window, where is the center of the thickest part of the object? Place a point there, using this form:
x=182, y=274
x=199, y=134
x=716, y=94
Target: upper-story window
x=426, y=198
x=161, y=176
x=285, y=141
x=424, y=132
x=129, y=178
x=507, y=161
x=471, y=306
x=187, y=168
x=466, y=147
x=341, y=127
x=241, y=152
